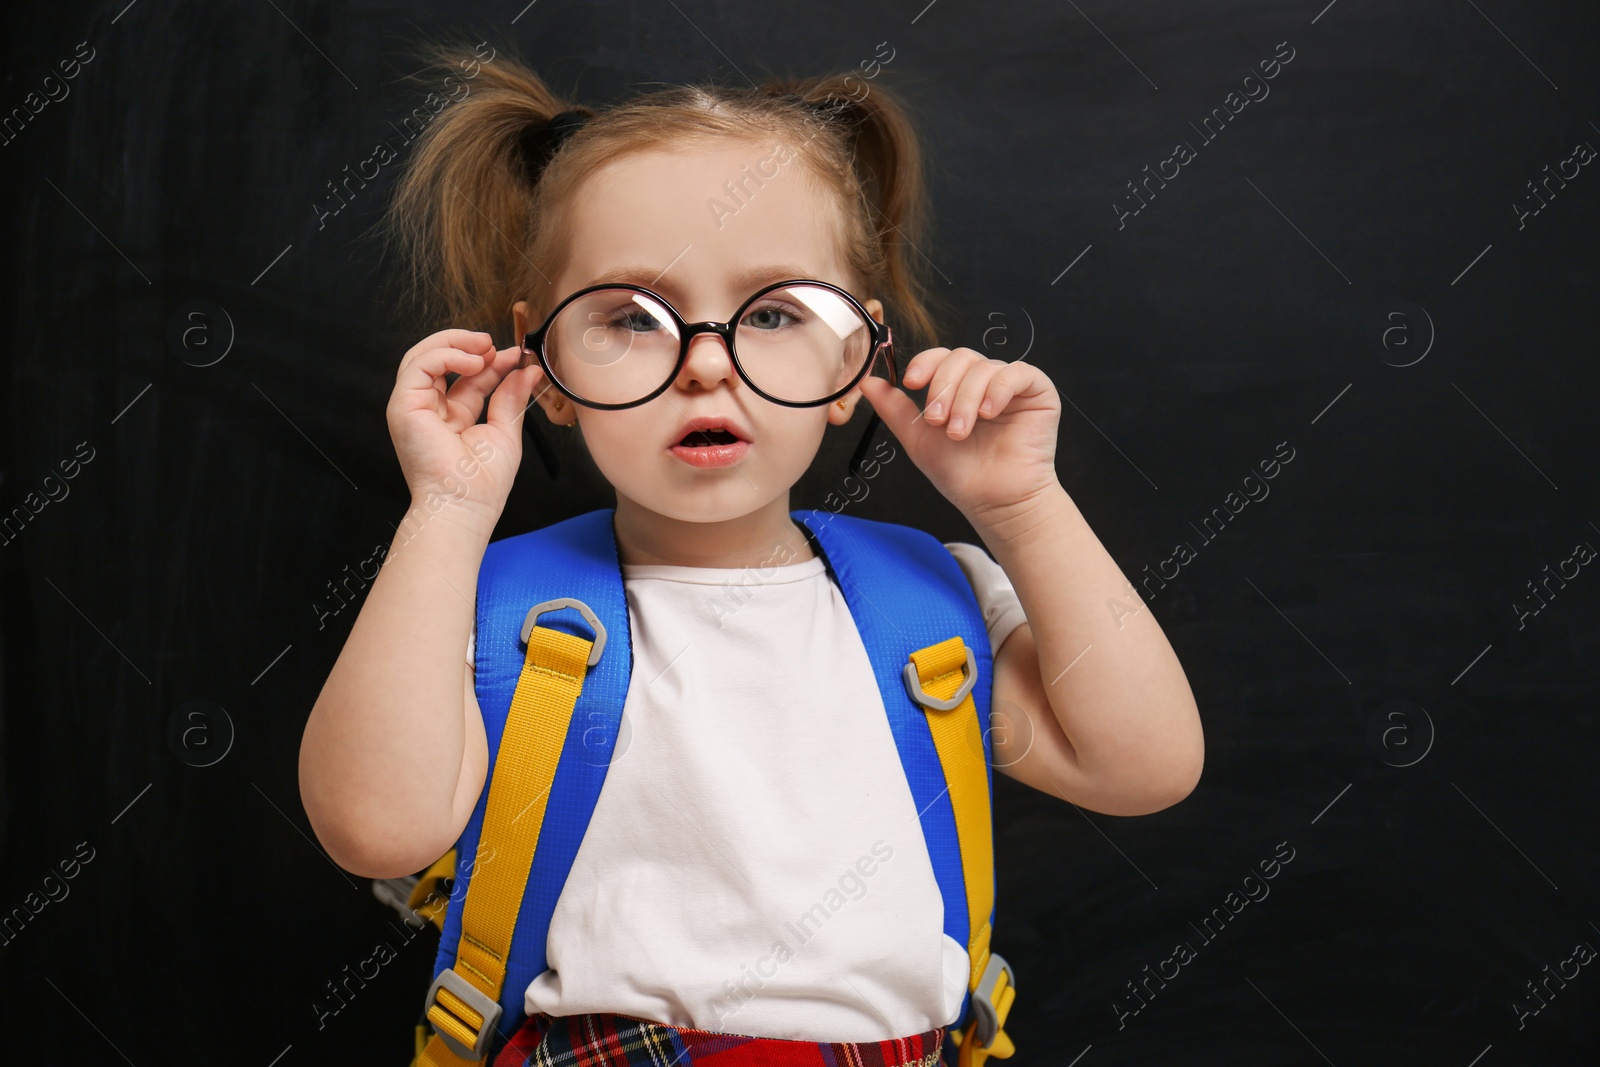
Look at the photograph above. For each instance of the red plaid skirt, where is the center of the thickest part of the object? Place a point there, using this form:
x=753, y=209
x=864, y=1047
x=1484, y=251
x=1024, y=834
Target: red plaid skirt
x=610, y=1040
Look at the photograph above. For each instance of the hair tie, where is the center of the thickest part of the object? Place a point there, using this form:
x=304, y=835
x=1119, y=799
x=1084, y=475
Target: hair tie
x=540, y=141
x=564, y=124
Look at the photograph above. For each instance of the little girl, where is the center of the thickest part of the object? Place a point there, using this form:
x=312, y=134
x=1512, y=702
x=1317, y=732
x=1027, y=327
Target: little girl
x=699, y=281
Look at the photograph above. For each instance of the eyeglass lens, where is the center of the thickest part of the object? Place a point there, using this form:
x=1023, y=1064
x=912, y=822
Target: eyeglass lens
x=801, y=344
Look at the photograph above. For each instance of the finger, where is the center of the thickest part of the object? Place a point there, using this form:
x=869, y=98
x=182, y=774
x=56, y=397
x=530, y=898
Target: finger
x=466, y=340
x=510, y=401
x=922, y=366
x=469, y=390
x=969, y=392
x=1003, y=387
x=422, y=367
x=894, y=406
x=942, y=385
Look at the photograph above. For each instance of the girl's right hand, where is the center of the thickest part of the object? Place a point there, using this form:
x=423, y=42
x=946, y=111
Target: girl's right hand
x=442, y=447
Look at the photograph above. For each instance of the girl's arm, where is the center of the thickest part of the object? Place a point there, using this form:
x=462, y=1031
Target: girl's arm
x=1108, y=720
x=394, y=754
x=1107, y=717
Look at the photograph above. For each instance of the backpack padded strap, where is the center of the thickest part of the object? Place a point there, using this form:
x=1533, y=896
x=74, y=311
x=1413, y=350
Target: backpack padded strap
x=907, y=594
x=941, y=672
x=535, y=734
x=942, y=668
x=575, y=558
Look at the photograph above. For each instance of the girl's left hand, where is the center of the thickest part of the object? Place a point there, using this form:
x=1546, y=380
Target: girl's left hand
x=988, y=437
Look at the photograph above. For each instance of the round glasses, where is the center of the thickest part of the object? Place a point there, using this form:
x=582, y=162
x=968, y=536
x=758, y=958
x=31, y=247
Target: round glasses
x=799, y=343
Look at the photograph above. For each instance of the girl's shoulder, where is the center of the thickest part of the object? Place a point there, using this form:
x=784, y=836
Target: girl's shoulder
x=997, y=597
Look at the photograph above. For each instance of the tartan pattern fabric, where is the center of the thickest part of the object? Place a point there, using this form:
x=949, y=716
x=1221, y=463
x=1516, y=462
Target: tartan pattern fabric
x=607, y=1039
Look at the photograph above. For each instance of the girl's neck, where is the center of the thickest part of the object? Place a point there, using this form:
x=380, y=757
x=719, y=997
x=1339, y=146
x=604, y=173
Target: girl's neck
x=768, y=537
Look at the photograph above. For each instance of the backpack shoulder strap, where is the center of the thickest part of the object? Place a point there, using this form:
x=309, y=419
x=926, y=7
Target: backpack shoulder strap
x=551, y=686
x=925, y=634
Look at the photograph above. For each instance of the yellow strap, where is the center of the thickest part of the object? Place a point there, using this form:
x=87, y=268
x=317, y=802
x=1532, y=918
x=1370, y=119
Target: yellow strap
x=969, y=1054
x=420, y=1041
x=530, y=748
x=956, y=735
x=424, y=900
x=959, y=741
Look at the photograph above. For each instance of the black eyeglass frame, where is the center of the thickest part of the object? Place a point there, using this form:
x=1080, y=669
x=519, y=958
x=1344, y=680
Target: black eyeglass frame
x=882, y=341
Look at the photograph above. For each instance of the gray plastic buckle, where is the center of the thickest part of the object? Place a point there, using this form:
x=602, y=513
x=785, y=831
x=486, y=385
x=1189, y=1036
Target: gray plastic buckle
x=568, y=602
x=983, y=999
x=914, y=685
x=396, y=892
x=479, y=1001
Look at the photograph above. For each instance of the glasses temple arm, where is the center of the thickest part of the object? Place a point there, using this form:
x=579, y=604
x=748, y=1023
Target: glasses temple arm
x=872, y=423
x=542, y=445
x=861, y=448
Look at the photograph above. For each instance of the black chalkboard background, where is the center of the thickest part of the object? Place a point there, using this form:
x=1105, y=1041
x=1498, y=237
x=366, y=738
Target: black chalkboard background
x=1352, y=271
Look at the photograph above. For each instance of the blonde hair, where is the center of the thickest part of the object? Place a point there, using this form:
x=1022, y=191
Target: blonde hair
x=475, y=213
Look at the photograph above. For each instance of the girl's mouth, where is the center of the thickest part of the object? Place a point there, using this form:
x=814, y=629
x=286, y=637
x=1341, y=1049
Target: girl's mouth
x=710, y=448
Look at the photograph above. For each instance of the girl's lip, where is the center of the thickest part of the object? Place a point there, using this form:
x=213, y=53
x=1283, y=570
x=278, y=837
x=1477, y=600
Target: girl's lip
x=709, y=422
x=708, y=457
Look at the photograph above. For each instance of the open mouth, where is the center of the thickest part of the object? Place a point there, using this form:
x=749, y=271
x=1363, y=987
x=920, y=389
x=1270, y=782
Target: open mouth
x=707, y=445
x=705, y=438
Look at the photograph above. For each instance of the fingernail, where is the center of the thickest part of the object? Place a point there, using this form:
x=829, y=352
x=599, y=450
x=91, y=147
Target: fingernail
x=957, y=423
x=935, y=409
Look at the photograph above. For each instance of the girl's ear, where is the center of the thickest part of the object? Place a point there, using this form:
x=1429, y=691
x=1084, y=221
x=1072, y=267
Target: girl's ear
x=557, y=408
x=838, y=416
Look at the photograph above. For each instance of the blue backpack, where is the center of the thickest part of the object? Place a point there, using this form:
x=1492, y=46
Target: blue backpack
x=554, y=659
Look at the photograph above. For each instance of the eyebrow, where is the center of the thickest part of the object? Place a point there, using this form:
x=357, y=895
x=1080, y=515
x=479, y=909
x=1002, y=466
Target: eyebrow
x=746, y=280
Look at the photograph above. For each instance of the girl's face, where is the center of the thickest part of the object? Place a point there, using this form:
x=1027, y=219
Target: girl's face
x=666, y=220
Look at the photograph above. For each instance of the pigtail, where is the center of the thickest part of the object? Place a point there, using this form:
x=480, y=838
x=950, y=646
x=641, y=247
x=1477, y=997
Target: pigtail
x=887, y=160
x=460, y=214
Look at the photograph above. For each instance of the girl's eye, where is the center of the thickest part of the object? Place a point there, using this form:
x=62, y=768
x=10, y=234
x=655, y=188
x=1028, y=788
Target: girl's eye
x=634, y=319
x=770, y=317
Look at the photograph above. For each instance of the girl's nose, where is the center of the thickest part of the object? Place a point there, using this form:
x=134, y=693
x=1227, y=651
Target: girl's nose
x=709, y=363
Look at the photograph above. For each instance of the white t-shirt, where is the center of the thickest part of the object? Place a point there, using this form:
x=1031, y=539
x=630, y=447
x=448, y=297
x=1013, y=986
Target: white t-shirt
x=755, y=862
